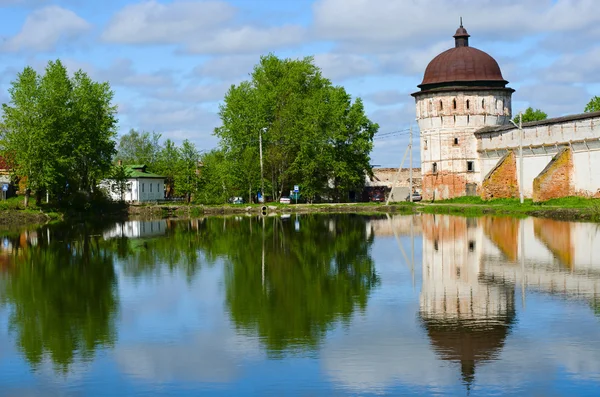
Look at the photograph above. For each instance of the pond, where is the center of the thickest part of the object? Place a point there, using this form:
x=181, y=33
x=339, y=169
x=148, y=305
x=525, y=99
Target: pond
x=311, y=305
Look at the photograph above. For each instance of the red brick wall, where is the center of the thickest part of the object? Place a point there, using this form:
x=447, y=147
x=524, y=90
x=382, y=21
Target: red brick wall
x=502, y=182
x=443, y=185
x=556, y=179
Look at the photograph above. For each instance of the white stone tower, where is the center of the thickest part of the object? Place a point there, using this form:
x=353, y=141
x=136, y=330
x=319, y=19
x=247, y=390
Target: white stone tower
x=462, y=91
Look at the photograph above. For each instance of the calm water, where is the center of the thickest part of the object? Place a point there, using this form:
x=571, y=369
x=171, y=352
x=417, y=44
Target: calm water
x=302, y=306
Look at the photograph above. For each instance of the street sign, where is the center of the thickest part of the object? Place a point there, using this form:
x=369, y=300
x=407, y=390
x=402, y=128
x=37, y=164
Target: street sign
x=5, y=187
x=296, y=188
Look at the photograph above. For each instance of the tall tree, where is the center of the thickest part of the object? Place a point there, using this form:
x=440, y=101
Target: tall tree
x=23, y=135
x=186, y=178
x=139, y=148
x=312, y=132
x=59, y=130
x=593, y=105
x=166, y=164
x=531, y=114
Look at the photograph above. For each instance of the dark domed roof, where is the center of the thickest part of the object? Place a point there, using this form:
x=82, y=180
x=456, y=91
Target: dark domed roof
x=462, y=65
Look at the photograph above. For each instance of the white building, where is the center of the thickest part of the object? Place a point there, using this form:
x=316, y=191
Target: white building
x=141, y=185
x=469, y=146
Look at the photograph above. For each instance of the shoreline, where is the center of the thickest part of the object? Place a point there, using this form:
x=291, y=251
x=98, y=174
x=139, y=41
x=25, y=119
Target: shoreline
x=10, y=218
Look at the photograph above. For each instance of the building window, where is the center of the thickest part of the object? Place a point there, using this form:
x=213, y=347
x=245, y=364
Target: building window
x=483, y=103
x=425, y=144
x=456, y=141
x=454, y=104
x=158, y=187
x=434, y=168
x=441, y=105
x=470, y=166
x=150, y=188
x=471, y=246
x=435, y=245
x=468, y=104
x=142, y=187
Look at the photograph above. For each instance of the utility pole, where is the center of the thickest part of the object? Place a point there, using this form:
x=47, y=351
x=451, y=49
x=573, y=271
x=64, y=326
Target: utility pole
x=521, y=181
x=410, y=178
x=262, y=178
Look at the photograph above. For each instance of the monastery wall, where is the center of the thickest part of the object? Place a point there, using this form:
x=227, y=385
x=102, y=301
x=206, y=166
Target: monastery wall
x=574, y=173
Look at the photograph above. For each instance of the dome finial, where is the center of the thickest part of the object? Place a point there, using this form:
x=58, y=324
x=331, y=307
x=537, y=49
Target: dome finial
x=461, y=37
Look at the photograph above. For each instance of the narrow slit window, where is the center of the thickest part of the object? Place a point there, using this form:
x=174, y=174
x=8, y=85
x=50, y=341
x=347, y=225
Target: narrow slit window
x=454, y=104
x=434, y=168
x=483, y=103
x=468, y=104
x=441, y=105
x=470, y=166
x=456, y=141
x=150, y=188
x=471, y=246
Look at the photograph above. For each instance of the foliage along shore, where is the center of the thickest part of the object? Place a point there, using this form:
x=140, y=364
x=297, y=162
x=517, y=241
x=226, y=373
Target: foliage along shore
x=568, y=209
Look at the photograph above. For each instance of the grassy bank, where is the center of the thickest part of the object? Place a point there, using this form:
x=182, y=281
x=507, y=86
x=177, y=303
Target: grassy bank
x=567, y=208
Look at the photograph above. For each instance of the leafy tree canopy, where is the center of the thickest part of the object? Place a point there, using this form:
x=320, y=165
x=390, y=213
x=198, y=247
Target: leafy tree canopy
x=531, y=114
x=313, y=134
x=593, y=105
x=59, y=130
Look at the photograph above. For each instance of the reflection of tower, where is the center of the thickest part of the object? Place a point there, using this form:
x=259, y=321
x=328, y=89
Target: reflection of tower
x=466, y=318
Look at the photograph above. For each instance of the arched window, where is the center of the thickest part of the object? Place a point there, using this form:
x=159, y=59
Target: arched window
x=434, y=168
x=468, y=104
x=454, y=104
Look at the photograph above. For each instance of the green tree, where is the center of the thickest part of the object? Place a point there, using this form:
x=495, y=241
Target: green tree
x=120, y=174
x=312, y=132
x=593, y=105
x=139, y=148
x=59, y=130
x=166, y=165
x=214, y=181
x=531, y=114
x=24, y=136
x=187, y=175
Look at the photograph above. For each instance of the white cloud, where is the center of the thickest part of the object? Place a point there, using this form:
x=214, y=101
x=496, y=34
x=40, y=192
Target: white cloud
x=195, y=93
x=376, y=24
x=247, y=40
x=344, y=66
x=387, y=97
x=122, y=72
x=554, y=99
x=45, y=28
x=151, y=22
x=227, y=67
x=575, y=68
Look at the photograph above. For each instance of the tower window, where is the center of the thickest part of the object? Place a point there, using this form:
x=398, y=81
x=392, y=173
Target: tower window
x=435, y=245
x=441, y=105
x=471, y=246
x=468, y=104
x=483, y=103
x=425, y=144
x=434, y=168
x=456, y=141
x=454, y=103
x=470, y=166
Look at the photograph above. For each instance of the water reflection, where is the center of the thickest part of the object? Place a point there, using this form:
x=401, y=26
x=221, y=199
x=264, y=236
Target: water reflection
x=487, y=305
x=61, y=287
x=290, y=284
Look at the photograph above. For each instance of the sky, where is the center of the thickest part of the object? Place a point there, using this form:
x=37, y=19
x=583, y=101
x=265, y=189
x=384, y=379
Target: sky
x=171, y=62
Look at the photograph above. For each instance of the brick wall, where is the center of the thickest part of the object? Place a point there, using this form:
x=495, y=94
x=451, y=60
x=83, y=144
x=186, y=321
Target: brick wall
x=444, y=185
x=501, y=181
x=556, y=179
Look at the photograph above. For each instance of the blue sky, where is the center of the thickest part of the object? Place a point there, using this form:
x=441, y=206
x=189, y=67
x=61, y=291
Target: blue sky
x=170, y=62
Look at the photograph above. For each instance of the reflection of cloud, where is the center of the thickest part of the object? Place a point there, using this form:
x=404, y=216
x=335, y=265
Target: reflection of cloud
x=207, y=357
x=383, y=351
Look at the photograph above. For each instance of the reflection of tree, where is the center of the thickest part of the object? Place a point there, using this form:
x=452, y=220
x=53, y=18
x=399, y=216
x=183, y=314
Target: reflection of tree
x=62, y=290
x=178, y=248
x=311, y=277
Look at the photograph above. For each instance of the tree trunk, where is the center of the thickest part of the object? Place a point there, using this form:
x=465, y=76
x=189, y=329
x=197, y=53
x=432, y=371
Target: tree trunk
x=27, y=194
